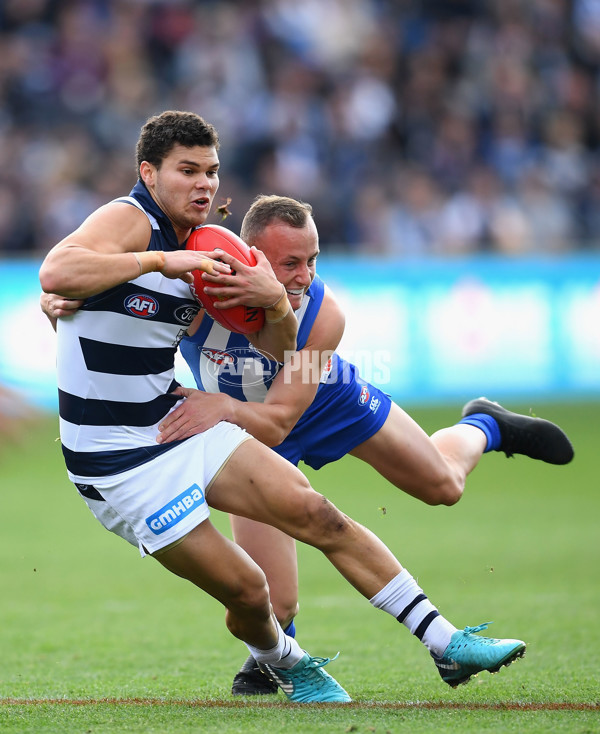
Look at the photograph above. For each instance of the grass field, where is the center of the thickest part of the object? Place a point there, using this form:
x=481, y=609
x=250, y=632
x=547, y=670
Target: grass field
x=94, y=639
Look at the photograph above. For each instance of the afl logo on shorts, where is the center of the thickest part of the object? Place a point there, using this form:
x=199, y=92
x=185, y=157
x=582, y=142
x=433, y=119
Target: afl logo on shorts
x=363, y=398
x=141, y=305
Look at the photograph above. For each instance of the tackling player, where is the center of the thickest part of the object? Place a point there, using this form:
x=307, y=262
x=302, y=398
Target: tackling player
x=316, y=408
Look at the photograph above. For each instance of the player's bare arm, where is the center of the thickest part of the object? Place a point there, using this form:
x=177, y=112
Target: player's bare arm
x=292, y=391
x=110, y=248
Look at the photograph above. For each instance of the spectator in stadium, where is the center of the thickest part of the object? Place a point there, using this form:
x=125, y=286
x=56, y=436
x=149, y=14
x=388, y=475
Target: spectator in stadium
x=319, y=112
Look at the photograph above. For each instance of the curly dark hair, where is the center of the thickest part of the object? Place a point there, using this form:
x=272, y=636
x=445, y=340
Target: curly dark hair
x=267, y=208
x=172, y=127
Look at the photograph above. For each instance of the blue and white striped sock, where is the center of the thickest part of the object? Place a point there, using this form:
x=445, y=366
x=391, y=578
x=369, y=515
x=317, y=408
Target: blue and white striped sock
x=404, y=599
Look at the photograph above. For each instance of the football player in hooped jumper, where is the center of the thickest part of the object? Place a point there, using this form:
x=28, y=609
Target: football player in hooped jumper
x=115, y=362
x=316, y=408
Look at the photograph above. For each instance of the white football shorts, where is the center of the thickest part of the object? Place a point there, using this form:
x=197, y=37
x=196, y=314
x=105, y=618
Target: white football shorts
x=161, y=501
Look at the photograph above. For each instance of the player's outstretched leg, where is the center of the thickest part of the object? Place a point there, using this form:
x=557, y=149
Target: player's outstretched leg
x=284, y=498
x=307, y=682
x=458, y=654
x=252, y=681
x=518, y=434
x=468, y=654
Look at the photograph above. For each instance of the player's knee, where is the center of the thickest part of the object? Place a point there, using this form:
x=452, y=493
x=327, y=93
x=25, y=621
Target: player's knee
x=285, y=609
x=324, y=524
x=447, y=492
x=312, y=518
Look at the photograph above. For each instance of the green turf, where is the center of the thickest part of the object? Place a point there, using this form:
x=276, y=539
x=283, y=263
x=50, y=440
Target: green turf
x=83, y=618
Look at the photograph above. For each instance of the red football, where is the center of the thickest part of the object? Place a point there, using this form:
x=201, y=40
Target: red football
x=241, y=319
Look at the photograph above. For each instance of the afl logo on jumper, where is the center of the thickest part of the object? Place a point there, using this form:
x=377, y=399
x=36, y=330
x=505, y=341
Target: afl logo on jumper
x=363, y=398
x=217, y=356
x=141, y=305
x=239, y=365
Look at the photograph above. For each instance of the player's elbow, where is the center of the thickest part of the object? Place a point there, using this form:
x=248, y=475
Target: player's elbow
x=54, y=279
x=49, y=279
x=278, y=342
x=284, y=349
x=275, y=436
x=277, y=431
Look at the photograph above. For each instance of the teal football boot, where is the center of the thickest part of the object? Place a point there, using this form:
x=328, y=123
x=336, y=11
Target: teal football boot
x=468, y=654
x=307, y=682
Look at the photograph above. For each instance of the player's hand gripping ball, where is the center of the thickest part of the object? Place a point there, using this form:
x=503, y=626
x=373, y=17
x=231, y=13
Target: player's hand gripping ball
x=241, y=319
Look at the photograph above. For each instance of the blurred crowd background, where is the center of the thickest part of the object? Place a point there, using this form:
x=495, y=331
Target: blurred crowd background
x=431, y=127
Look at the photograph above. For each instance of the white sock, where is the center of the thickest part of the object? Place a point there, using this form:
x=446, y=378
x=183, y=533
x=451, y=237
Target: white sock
x=404, y=599
x=286, y=653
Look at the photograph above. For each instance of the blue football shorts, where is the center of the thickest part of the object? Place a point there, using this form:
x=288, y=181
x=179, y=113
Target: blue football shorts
x=344, y=414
